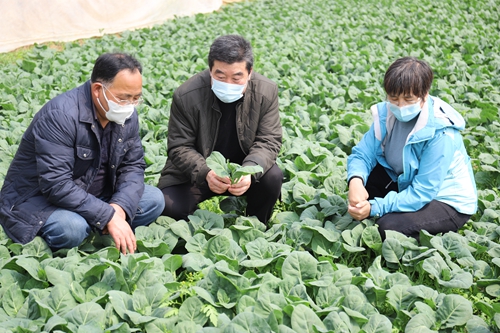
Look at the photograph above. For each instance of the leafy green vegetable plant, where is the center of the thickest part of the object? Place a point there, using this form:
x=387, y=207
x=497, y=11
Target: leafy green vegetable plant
x=312, y=268
x=223, y=168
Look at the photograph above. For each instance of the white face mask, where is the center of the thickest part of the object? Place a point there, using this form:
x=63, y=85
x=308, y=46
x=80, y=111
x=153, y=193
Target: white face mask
x=117, y=113
x=228, y=92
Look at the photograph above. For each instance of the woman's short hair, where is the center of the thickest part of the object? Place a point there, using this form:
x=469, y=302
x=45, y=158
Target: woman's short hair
x=408, y=76
x=231, y=49
x=109, y=64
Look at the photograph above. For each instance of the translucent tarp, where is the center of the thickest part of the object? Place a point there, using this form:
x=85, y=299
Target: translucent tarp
x=24, y=22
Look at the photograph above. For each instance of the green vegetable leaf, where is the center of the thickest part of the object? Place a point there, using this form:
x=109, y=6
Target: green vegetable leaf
x=222, y=168
x=454, y=311
x=217, y=162
x=245, y=170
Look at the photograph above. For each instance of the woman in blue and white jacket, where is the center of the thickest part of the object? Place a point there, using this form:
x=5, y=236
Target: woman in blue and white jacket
x=411, y=169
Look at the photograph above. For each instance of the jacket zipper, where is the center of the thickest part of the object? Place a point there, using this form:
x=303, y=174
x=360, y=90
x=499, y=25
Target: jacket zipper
x=24, y=197
x=238, y=127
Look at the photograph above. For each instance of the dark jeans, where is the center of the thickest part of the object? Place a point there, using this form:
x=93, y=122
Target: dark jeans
x=182, y=200
x=435, y=217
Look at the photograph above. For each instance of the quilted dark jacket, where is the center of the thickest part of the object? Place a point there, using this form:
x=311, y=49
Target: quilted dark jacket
x=194, y=124
x=57, y=160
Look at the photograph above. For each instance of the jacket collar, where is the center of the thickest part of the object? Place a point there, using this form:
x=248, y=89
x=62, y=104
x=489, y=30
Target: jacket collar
x=85, y=104
x=424, y=127
x=446, y=116
x=435, y=114
x=438, y=114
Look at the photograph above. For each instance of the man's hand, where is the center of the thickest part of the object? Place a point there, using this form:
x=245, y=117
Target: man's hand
x=119, y=211
x=120, y=231
x=241, y=186
x=217, y=184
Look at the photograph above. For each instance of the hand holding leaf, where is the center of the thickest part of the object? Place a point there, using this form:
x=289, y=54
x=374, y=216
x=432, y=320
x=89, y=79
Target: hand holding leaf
x=241, y=186
x=243, y=171
x=218, y=164
x=223, y=168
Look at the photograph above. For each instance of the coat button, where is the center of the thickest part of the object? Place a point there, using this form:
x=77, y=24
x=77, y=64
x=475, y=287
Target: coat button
x=84, y=155
x=119, y=140
x=40, y=223
x=112, y=166
x=98, y=224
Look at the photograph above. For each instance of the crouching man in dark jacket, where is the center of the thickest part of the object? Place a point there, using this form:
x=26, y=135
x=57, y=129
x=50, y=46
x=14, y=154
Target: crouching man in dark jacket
x=80, y=164
x=231, y=109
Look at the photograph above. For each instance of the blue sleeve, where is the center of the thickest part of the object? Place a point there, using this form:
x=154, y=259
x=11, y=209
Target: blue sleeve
x=363, y=157
x=433, y=165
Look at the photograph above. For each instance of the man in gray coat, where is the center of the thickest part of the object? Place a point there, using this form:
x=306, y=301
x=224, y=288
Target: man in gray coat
x=80, y=164
x=231, y=109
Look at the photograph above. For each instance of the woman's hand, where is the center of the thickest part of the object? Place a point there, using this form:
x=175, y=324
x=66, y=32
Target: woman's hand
x=358, y=206
x=357, y=192
x=360, y=211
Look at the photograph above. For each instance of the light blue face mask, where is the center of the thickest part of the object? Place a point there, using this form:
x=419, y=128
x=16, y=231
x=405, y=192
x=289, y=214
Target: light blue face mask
x=405, y=113
x=228, y=92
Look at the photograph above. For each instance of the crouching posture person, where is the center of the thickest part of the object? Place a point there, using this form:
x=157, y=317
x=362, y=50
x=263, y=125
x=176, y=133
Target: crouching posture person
x=80, y=164
x=411, y=170
x=231, y=109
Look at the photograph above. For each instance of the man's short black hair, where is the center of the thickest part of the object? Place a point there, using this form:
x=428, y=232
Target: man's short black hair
x=231, y=49
x=109, y=64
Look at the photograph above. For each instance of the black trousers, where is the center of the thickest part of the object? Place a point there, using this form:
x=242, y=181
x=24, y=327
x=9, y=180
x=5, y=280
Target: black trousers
x=435, y=217
x=182, y=200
